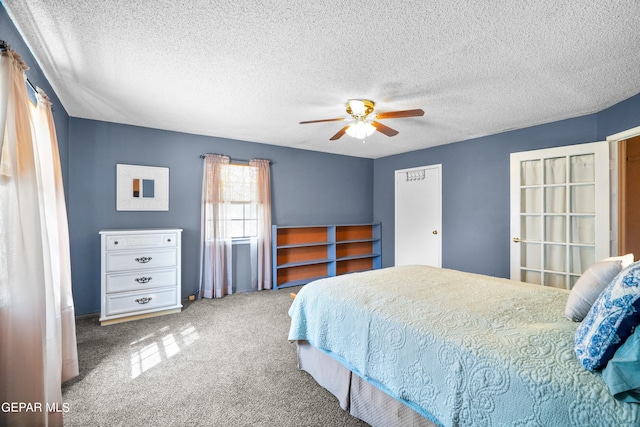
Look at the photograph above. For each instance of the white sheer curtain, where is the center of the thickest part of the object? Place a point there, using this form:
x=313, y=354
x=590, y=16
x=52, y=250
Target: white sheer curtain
x=559, y=199
x=582, y=199
x=37, y=330
x=215, y=260
x=261, y=244
x=555, y=198
x=55, y=212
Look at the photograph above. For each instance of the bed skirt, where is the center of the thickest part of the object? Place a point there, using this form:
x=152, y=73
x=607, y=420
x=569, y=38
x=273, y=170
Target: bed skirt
x=360, y=398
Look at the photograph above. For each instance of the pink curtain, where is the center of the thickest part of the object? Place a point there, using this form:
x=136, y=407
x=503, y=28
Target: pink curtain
x=215, y=260
x=37, y=330
x=261, y=245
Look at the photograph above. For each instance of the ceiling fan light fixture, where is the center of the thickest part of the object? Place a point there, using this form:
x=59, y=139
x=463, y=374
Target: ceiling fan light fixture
x=360, y=129
x=360, y=107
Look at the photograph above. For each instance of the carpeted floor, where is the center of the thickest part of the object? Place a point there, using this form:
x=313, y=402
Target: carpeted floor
x=224, y=362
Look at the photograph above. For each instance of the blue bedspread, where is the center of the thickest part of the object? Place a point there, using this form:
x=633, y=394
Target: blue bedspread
x=462, y=349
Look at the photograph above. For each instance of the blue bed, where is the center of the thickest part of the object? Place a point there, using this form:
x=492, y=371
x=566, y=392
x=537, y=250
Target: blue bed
x=458, y=348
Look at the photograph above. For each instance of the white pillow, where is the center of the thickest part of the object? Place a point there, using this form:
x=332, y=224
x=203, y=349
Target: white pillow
x=591, y=284
x=626, y=260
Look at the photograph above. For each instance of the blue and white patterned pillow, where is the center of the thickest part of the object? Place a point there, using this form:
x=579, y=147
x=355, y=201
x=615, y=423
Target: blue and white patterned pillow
x=611, y=320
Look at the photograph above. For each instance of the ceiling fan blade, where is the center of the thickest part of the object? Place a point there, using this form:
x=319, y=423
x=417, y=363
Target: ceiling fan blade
x=399, y=114
x=339, y=134
x=384, y=129
x=322, y=120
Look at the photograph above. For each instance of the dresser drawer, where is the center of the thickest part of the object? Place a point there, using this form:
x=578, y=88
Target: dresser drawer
x=142, y=259
x=140, y=301
x=123, y=282
x=136, y=241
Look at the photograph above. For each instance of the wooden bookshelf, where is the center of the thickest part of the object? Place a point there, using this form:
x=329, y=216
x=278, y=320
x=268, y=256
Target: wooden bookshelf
x=302, y=254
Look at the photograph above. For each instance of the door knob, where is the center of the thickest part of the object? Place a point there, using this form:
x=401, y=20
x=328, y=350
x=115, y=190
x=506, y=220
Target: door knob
x=516, y=240
x=435, y=231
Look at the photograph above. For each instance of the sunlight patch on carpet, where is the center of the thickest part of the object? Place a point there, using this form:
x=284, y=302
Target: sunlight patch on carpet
x=152, y=349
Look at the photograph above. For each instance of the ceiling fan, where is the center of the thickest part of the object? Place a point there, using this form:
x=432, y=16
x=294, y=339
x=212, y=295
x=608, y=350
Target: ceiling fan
x=364, y=120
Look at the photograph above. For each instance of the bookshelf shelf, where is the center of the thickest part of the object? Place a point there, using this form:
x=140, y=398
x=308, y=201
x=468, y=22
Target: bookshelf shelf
x=302, y=254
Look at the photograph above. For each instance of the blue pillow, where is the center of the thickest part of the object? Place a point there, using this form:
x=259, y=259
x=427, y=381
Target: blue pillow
x=622, y=373
x=611, y=320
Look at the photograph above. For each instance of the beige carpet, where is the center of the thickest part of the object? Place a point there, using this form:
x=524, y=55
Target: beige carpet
x=223, y=362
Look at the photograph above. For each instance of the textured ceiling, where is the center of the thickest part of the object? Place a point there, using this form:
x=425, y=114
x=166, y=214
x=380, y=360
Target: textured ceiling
x=251, y=70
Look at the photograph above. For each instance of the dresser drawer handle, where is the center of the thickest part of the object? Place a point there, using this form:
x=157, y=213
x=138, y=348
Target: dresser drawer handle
x=143, y=259
x=143, y=300
x=115, y=242
x=143, y=279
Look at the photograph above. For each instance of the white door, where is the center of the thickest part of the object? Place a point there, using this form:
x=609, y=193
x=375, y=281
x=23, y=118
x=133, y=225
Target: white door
x=418, y=237
x=559, y=212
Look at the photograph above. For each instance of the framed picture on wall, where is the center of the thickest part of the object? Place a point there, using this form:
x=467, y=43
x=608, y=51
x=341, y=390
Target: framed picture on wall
x=142, y=188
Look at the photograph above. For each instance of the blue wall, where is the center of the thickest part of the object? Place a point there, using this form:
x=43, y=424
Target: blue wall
x=622, y=116
x=475, y=185
x=307, y=188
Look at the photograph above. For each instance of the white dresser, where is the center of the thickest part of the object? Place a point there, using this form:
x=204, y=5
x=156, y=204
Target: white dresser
x=141, y=272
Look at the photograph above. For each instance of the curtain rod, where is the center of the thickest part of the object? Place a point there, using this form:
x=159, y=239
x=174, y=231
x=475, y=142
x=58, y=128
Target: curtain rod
x=202, y=156
x=3, y=48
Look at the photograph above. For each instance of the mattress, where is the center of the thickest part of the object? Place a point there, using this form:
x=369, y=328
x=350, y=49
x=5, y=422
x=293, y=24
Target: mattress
x=458, y=348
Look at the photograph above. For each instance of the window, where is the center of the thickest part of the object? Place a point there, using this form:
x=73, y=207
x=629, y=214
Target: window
x=239, y=189
x=242, y=219
x=236, y=205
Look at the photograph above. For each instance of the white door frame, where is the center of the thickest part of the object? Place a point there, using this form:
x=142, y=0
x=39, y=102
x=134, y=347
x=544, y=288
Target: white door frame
x=438, y=227
x=614, y=142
